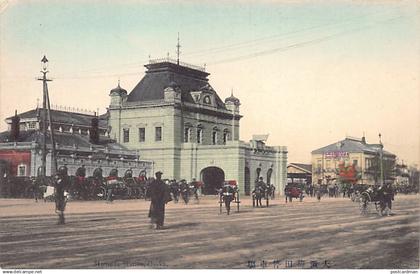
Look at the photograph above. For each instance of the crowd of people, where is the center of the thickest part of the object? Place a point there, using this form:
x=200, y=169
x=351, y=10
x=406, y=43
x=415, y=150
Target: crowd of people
x=160, y=191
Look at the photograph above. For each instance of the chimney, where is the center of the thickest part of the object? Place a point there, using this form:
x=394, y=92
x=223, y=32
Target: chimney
x=14, y=131
x=94, y=130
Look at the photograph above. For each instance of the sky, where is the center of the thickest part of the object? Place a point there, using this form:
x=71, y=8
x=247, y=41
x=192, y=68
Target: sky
x=308, y=73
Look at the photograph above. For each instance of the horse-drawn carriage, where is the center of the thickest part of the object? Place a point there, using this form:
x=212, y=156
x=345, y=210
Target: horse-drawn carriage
x=227, y=194
x=356, y=191
x=293, y=190
x=379, y=197
x=261, y=191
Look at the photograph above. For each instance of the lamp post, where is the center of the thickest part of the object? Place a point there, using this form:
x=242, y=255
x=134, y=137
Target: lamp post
x=46, y=114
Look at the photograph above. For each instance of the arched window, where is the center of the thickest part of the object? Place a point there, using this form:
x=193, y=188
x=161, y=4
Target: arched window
x=269, y=173
x=225, y=136
x=214, y=137
x=258, y=172
x=187, y=134
x=199, y=135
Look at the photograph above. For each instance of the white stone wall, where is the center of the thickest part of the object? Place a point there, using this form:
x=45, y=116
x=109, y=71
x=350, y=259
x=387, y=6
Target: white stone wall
x=179, y=160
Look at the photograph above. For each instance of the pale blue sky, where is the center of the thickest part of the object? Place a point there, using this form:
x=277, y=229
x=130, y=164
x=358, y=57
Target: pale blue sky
x=328, y=68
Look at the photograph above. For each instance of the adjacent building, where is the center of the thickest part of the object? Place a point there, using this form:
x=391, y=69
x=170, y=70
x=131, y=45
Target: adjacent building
x=299, y=173
x=21, y=145
x=352, y=160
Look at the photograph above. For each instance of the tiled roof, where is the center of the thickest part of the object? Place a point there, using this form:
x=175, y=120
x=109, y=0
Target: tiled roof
x=164, y=74
x=351, y=145
x=64, y=117
x=62, y=139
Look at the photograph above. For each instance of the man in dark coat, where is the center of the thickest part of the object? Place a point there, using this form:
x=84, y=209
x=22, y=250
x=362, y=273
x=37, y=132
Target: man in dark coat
x=159, y=196
x=60, y=184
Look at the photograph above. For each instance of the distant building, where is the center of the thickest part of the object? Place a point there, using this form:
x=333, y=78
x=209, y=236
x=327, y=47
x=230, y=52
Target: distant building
x=299, y=173
x=20, y=146
x=176, y=118
x=351, y=160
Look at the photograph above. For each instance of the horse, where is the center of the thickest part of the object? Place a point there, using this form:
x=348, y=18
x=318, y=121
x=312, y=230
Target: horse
x=257, y=194
x=271, y=189
x=381, y=197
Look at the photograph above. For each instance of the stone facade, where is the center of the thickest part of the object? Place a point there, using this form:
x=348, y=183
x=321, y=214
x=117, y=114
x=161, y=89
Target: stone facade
x=176, y=119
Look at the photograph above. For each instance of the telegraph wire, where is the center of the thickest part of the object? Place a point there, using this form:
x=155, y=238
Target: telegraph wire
x=280, y=36
x=247, y=43
x=300, y=44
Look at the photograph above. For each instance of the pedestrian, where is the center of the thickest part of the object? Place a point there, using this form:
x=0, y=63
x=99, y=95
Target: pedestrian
x=36, y=188
x=195, y=186
x=60, y=184
x=159, y=196
x=318, y=193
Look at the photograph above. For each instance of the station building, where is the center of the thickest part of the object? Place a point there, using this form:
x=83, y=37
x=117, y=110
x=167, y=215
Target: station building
x=175, y=118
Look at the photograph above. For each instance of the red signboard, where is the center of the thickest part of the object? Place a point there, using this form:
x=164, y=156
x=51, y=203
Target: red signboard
x=348, y=173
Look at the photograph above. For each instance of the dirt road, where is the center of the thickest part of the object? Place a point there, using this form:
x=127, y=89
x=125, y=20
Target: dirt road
x=311, y=234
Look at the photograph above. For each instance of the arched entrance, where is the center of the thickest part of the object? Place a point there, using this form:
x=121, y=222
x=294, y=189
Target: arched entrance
x=213, y=178
x=247, y=181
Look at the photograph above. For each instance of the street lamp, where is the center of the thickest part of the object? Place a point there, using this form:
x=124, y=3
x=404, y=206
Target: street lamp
x=44, y=64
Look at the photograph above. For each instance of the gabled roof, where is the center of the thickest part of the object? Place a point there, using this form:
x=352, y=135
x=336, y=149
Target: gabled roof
x=164, y=74
x=304, y=167
x=352, y=145
x=64, y=117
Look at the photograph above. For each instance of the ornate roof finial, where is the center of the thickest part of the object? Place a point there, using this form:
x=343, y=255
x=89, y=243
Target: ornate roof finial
x=118, y=81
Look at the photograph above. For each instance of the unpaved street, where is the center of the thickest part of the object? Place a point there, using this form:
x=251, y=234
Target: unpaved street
x=330, y=233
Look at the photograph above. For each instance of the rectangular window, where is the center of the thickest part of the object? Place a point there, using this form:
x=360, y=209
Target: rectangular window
x=22, y=170
x=126, y=135
x=142, y=134
x=214, y=138
x=158, y=134
x=199, y=135
x=355, y=162
x=186, y=135
x=31, y=125
x=319, y=164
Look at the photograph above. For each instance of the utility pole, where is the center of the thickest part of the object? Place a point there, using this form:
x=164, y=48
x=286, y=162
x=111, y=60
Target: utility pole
x=381, y=155
x=46, y=114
